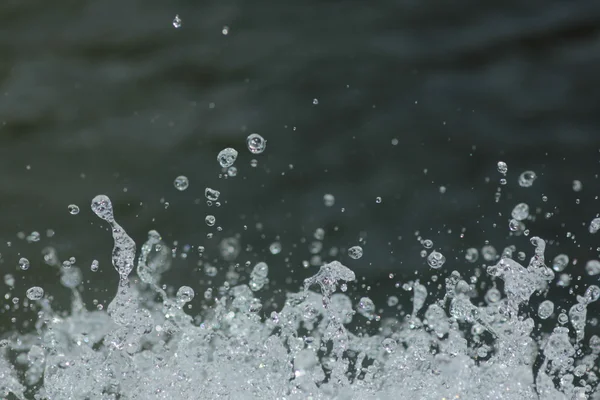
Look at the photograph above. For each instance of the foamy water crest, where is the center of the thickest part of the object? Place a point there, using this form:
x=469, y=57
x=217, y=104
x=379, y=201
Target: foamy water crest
x=147, y=345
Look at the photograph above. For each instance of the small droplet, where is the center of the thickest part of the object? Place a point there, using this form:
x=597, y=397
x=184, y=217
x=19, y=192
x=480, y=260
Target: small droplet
x=436, y=260
x=545, y=309
x=181, y=183
x=527, y=178
x=256, y=143
x=315, y=101
x=577, y=186
x=210, y=220
x=592, y=267
x=329, y=200
x=520, y=212
x=502, y=167
x=35, y=293
x=225, y=30
x=253, y=163
x=378, y=200
x=594, y=225
x=211, y=194
x=177, y=22
x=427, y=243
x=185, y=294
x=392, y=301
x=471, y=255
x=275, y=248
x=73, y=209
x=232, y=171
x=560, y=262
x=227, y=157
x=24, y=264
x=95, y=265
x=355, y=252
x=102, y=207
x=514, y=225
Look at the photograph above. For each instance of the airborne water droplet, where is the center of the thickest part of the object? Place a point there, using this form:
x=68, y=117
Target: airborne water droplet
x=545, y=309
x=527, y=178
x=355, y=252
x=502, y=167
x=24, y=264
x=227, y=157
x=73, y=209
x=256, y=143
x=211, y=194
x=181, y=183
x=35, y=293
x=185, y=294
x=436, y=260
x=594, y=225
x=210, y=220
x=177, y=22
x=329, y=200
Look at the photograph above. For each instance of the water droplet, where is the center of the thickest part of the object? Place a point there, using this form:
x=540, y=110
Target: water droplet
x=210, y=220
x=366, y=307
x=436, y=260
x=275, y=248
x=389, y=345
x=73, y=209
x=545, y=309
x=95, y=265
x=592, y=267
x=520, y=212
x=102, y=207
x=35, y=293
x=378, y=200
x=514, y=225
x=560, y=262
x=24, y=264
x=227, y=157
x=594, y=225
x=493, y=295
x=211, y=194
x=577, y=186
x=253, y=163
x=177, y=22
x=527, y=178
x=329, y=200
x=315, y=101
x=9, y=280
x=489, y=253
x=502, y=167
x=181, y=183
x=355, y=252
x=225, y=30
x=471, y=255
x=392, y=301
x=185, y=294
x=427, y=243
x=256, y=143
x=232, y=171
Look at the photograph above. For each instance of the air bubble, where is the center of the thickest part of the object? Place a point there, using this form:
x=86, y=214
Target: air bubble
x=256, y=143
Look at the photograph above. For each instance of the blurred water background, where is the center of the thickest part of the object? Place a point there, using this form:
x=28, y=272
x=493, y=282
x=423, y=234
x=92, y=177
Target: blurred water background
x=390, y=99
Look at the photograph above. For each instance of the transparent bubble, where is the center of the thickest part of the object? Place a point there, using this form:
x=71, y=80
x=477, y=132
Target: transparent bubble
x=24, y=264
x=210, y=220
x=211, y=194
x=275, y=248
x=177, y=22
x=527, y=178
x=560, y=262
x=329, y=200
x=227, y=157
x=545, y=309
x=436, y=260
x=592, y=267
x=185, y=294
x=256, y=143
x=73, y=209
x=181, y=183
x=594, y=225
x=520, y=212
x=35, y=293
x=355, y=252
x=502, y=167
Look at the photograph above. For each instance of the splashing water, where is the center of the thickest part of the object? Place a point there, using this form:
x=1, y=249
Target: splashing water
x=146, y=345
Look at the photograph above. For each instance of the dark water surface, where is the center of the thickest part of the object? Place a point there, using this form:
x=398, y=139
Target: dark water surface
x=108, y=97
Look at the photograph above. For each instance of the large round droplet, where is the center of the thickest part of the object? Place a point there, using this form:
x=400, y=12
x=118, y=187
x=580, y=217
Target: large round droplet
x=545, y=309
x=212, y=194
x=527, y=178
x=329, y=200
x=227, y=157
x=355, y=252
x=436, y=260
x=24, y=264
x=35, y=293
x=256, y=143
x=185, y=294
x=592, y=267
x=181, y=183
x=560, y=262
x=73, y=209
x=520, y=212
